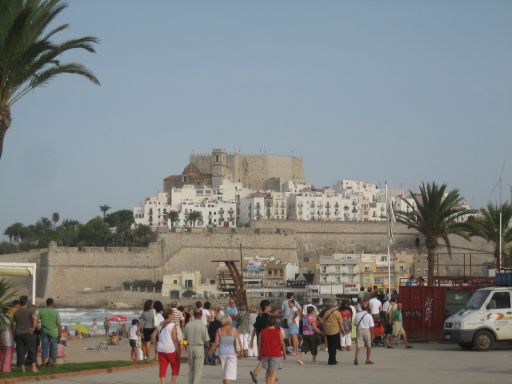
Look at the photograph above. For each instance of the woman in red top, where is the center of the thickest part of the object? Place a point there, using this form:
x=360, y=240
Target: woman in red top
x=272, y=350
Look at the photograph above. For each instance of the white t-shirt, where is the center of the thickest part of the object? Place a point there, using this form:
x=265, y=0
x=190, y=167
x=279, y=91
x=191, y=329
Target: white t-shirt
x=291, y=320
x=206, y=314
x=364, y=320
x=286, y=308
x=158, y=318
x=386, y=306
x=165, y=343
x=133, y=332
x=375, y=306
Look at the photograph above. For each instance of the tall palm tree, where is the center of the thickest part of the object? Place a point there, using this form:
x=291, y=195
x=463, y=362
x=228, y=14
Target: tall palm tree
x=194, y=217
x=173, y=217
x=55, y=219
x=28, y=57
x=104, y=209
x=488, y=227
x=435, y=214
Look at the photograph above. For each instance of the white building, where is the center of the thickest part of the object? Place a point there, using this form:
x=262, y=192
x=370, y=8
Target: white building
x=338, y=274
x=252, y=208
x=215, y=212
x=153, y=212
x=175, y=285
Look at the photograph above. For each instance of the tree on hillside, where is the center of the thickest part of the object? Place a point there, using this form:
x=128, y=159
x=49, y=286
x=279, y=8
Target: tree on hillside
x=67, y=233
x=488, y=227
x=94, y=233
x=434, y=214
x=104, y=209
x=194, y=217
x=142, y=234
x=28, y=57
x=123, y=217
x=16, y=232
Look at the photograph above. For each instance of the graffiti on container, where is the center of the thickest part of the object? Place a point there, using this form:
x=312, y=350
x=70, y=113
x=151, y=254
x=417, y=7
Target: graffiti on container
x=428, y=308
x=413, y=314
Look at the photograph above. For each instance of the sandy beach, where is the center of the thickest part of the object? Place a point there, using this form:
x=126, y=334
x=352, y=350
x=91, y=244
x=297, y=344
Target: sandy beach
x=86, y=350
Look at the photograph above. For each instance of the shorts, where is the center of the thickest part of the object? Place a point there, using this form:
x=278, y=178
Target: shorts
x=164, y=359
x=364, y=338
x=293, y=329
x=133, y=343
x=146, y=334
x=228, y=364
x=272, y=363
x=309, y=344
x=398, y=329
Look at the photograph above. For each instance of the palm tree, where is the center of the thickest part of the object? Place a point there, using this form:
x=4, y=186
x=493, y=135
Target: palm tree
x=28, y=57
x=104, y=209
x=435, y=214
x=173, y=217
x=7, y=292
x=488, y=227
x=55, y=219
x=194, y=217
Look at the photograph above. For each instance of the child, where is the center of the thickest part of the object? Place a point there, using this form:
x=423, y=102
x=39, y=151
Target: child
x=398, y=328
x=134, y=333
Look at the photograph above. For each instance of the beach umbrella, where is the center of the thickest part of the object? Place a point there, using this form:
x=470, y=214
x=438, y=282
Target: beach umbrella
x=117, y=319
x=80, y=328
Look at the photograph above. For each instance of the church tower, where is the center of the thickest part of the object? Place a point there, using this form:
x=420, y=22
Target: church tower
x=219, y=167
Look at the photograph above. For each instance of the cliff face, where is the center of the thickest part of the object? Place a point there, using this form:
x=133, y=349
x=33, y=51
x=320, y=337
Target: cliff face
x=74, y=276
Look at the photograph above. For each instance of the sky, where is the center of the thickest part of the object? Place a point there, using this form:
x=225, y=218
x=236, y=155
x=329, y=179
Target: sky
x=398, y=91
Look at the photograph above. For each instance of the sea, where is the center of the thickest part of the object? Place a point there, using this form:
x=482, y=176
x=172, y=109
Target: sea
x=85, y=316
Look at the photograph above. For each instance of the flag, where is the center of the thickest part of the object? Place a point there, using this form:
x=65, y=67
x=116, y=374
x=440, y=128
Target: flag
x=391, y=220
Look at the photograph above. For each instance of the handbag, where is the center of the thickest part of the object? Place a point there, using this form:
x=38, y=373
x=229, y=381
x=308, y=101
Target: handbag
x=238, y=348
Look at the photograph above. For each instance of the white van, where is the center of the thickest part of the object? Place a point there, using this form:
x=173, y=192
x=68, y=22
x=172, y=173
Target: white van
x=486, y=318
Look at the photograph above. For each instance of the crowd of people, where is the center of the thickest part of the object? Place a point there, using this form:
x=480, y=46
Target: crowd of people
x=221, y=335
x=27, y=331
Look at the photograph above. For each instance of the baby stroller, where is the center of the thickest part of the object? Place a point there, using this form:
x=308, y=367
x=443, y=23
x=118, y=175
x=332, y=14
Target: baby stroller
x=378, y=332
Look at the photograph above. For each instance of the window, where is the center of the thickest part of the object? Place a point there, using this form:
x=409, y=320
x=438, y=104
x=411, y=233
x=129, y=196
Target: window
x=337, y=269
x=188, y=284
x=338, y=279
x=367, y=269
x=500, y=300
x=175, y=282
x=401, y=269
x=324, y=269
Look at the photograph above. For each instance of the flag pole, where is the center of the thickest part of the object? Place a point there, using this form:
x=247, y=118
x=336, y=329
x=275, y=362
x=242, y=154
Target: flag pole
x=388, y=234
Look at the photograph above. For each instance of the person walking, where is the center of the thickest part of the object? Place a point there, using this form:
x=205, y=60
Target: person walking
x=332, y=324
x=227, y=341
x=197, y=338
x=244, y=328
x=106, y=326
x=148, y=326
x=346, y=315
x=25, y=323
x=309, y=335
x=7, y=347
x=232, y=311
x=272, y=350
x=167, y=347
x=293, y=327
x=364, y=329
x=398, y=328
x=50, y=332
x=259, y=325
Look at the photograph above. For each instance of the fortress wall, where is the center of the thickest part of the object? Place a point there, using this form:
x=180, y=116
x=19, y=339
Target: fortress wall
x=196, y=251
x=202, y=161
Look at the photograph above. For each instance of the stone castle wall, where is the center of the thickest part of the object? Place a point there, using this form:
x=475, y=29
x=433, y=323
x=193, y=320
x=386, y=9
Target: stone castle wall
x=67, y=274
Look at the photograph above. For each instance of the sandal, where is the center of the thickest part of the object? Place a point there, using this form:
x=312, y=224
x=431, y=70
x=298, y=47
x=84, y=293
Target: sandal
x=369, y=362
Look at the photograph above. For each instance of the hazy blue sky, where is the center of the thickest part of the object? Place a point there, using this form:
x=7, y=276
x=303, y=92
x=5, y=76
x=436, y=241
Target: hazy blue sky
x=407, y=91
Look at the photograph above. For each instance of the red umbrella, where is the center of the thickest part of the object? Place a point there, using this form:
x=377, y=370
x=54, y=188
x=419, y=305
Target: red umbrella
x=117, y=319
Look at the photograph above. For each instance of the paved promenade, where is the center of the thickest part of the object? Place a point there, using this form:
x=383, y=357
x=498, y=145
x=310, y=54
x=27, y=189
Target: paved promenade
x=425, y=364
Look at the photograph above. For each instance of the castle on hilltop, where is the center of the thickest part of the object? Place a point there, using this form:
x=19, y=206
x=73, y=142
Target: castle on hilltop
x=255, y=171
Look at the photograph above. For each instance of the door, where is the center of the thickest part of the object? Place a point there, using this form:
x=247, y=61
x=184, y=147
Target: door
x=499, y=314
